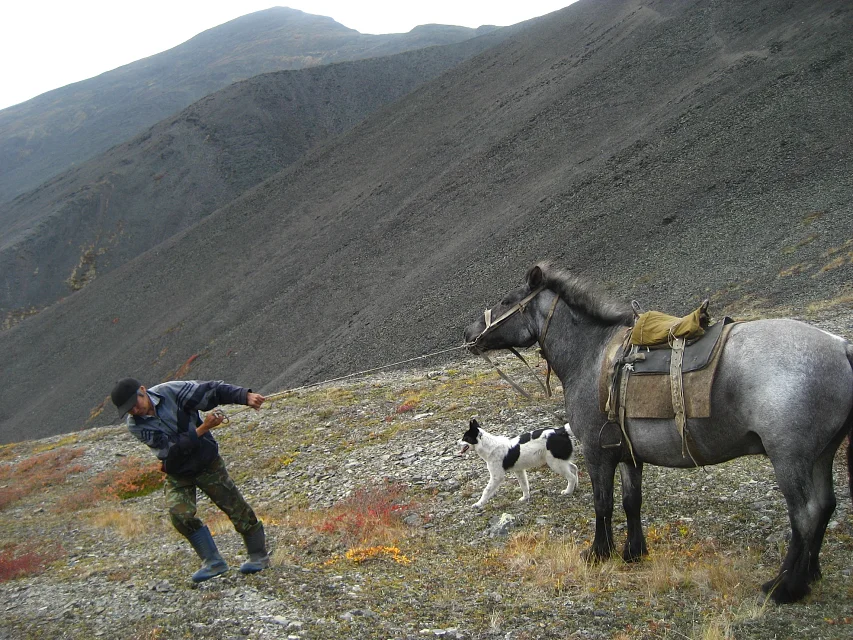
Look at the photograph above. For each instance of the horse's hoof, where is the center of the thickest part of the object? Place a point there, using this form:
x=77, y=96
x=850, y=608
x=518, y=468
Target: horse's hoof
x=634, y=553
x=631, y=557
x=782, y=592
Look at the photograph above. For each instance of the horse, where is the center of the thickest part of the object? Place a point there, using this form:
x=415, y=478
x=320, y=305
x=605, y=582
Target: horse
x=782, y=388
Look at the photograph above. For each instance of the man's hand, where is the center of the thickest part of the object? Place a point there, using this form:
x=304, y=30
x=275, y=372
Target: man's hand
x=255, y=400
x=211, y=420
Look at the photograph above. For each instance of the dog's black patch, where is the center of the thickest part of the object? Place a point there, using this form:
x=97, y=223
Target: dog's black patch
x=524, y=438
x=559, y=444
x=511, y=456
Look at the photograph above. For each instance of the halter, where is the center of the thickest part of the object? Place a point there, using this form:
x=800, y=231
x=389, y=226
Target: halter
x=521, y=306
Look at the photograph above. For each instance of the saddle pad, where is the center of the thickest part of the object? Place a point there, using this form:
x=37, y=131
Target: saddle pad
x=649, y=395
x=697, y=354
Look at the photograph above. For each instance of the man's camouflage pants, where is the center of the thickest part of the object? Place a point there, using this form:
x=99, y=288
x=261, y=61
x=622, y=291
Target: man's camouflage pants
x=219, y=487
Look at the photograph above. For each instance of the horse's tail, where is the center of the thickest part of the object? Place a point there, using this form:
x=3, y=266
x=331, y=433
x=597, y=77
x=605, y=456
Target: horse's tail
x=849, y=426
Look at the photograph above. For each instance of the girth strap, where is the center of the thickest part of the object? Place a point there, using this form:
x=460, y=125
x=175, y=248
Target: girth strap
x=677, y=390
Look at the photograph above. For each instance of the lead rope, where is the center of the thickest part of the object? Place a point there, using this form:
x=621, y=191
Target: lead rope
x=515, y=385
x=280, y=394
x=520, y=306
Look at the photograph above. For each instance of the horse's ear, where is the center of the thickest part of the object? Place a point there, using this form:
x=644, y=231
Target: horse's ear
x=535, y=277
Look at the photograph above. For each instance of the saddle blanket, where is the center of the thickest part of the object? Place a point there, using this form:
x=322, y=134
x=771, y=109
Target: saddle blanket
x=649, y=394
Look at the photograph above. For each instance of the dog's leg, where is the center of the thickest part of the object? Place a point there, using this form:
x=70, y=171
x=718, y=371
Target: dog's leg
x=566, y=469
x=496, y=478
x=572, y=479
x=521, y=474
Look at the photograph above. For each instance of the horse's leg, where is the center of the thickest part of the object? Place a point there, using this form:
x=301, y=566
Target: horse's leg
x=632, y=501
x=601, y=474
x=825, y=496
x=808, y=492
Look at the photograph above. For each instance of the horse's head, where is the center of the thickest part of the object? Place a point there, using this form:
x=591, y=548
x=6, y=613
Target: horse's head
x=506, y=324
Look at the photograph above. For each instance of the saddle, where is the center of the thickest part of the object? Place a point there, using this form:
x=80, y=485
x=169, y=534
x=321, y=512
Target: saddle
x=665, y=379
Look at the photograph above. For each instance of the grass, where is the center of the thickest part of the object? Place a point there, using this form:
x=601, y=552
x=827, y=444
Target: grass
x=555, y=564
x=129, y=525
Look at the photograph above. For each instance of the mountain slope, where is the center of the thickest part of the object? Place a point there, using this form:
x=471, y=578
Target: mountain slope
x=669, y=150
x=94, y=217
x=45, y=135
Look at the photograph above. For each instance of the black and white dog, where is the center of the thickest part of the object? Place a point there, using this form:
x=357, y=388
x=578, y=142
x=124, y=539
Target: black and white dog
x=515, y=455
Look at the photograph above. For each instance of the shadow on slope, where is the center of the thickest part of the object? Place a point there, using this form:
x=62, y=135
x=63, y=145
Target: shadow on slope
x=95, y=217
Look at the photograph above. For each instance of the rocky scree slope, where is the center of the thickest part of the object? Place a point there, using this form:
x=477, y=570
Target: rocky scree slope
x=315, y=462
x=94, y=217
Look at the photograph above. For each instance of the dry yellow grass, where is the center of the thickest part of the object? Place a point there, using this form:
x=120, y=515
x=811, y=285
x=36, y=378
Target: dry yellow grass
x=555, y=563
x=129, y=525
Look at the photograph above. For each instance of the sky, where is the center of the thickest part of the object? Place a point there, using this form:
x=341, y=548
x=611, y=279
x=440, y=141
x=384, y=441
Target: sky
x=48, y=44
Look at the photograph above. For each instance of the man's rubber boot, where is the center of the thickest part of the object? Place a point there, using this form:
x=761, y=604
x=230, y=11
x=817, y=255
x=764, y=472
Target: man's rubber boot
x=212, y=562
x=256, y=545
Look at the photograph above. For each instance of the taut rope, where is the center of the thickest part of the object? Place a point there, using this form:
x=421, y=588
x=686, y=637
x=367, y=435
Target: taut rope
x=281, y=394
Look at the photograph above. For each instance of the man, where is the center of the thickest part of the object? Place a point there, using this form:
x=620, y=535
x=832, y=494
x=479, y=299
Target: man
x=166, y=418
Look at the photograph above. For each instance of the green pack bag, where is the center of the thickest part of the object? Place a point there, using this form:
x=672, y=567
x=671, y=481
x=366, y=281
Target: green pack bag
x=654, y=328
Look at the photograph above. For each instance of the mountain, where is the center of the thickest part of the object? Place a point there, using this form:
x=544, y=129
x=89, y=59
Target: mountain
x=96, y=216
x=668, y=150
x=45, y=135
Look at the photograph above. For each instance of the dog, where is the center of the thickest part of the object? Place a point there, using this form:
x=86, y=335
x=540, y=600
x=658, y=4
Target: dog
x=515, y=455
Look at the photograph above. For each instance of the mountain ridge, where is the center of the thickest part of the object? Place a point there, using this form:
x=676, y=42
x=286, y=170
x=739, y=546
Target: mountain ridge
x=44, y=135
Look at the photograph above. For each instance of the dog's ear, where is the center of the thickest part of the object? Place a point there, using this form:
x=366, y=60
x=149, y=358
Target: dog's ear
x=474, y=424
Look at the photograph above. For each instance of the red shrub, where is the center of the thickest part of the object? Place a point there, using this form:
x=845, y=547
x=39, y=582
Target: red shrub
x=20, y=561
x=367, y=513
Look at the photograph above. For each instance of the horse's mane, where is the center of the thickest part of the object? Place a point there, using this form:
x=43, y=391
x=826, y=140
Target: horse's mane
x=582, y=295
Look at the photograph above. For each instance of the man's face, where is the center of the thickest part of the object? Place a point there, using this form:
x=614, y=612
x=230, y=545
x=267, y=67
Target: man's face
x=143, y=404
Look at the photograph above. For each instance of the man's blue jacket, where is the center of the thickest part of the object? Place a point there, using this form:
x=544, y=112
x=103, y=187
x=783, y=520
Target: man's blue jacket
x=171, y=432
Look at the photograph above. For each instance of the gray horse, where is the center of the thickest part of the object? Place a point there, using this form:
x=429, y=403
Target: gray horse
x=782, y=388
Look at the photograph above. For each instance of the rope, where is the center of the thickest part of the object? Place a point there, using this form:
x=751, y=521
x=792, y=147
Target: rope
x=281, y=394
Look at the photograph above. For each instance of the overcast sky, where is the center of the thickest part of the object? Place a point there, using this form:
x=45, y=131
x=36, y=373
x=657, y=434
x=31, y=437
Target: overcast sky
x=51, y=43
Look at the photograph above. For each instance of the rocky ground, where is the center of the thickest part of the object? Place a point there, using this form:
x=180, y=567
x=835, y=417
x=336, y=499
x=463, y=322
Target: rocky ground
x=318, y=463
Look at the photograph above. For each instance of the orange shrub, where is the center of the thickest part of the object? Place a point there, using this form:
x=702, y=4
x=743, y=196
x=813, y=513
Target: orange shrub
x=131, y=478
x=37, y=472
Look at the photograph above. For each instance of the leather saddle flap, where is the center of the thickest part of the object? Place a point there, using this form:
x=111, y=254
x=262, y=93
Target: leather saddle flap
x=697, y=353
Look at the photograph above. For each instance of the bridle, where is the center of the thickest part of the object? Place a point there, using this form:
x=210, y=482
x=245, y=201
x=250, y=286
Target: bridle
x=521, y=306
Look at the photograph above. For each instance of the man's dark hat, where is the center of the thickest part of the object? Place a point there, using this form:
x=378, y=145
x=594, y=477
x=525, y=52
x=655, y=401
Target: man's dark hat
x=124, y=395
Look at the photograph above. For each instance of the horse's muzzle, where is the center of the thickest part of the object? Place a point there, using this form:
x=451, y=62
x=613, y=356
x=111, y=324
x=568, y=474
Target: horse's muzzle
x=471, y=335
